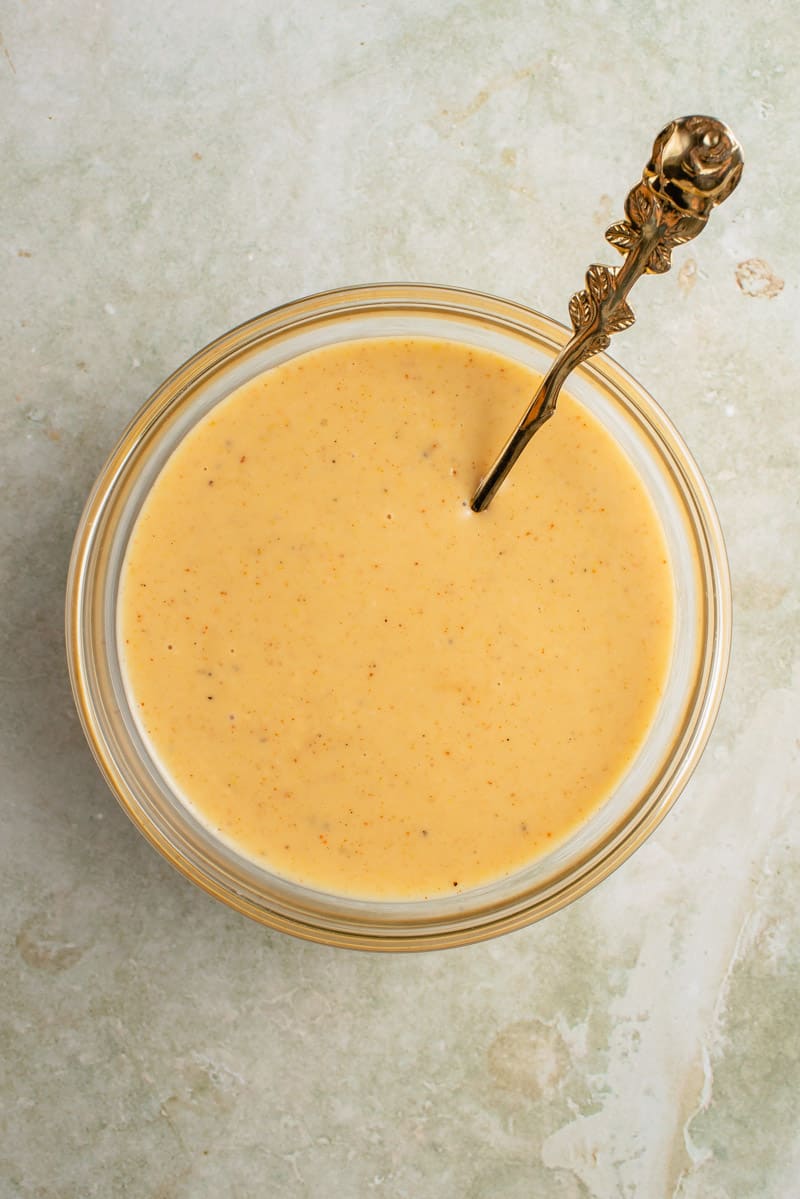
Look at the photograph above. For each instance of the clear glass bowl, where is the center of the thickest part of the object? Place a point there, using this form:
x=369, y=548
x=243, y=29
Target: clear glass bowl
x=665, y=761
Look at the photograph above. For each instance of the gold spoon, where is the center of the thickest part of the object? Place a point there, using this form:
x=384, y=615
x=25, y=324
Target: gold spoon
x=696, y=164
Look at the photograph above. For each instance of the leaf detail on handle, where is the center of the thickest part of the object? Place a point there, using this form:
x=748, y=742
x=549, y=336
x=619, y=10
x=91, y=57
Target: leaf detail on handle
x=623, y=236
x=639, y=205
x=584, y=307
x=677, y=238
x=683, y=229
x=679, y=230
x=623, y=318
x=582, y=310
x=660, y=260
x=600, y=282
x=594, y=345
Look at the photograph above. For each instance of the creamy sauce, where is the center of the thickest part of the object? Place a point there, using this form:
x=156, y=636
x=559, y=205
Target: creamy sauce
x=355, y=680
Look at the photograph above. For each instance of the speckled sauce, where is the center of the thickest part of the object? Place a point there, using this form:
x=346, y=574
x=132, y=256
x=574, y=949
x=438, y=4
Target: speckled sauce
x=354, y=679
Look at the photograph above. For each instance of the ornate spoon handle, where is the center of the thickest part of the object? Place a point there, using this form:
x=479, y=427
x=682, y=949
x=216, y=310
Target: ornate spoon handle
x=696, y=164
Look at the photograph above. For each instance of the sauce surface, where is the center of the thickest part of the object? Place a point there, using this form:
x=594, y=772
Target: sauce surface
x=352, y=678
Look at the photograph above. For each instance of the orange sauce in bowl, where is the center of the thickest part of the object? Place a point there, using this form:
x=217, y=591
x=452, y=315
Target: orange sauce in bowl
x=352, y=678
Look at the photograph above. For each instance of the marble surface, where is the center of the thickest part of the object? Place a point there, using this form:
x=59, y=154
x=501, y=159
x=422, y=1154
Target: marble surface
x=170, y=170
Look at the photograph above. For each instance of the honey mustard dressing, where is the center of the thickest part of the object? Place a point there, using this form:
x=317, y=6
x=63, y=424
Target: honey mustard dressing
x=355, y=680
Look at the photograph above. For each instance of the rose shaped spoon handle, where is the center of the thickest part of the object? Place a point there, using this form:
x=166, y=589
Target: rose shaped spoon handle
x=696, y=164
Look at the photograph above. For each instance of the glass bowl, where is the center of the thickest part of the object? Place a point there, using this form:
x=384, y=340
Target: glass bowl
x=664, y=762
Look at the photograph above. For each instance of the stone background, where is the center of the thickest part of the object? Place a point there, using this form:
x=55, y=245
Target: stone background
x=169, y=170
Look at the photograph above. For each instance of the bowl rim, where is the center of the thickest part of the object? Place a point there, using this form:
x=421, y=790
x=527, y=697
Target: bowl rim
x=335, y=304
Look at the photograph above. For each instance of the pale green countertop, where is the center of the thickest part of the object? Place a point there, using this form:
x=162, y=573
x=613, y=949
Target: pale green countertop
x=170, y=170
